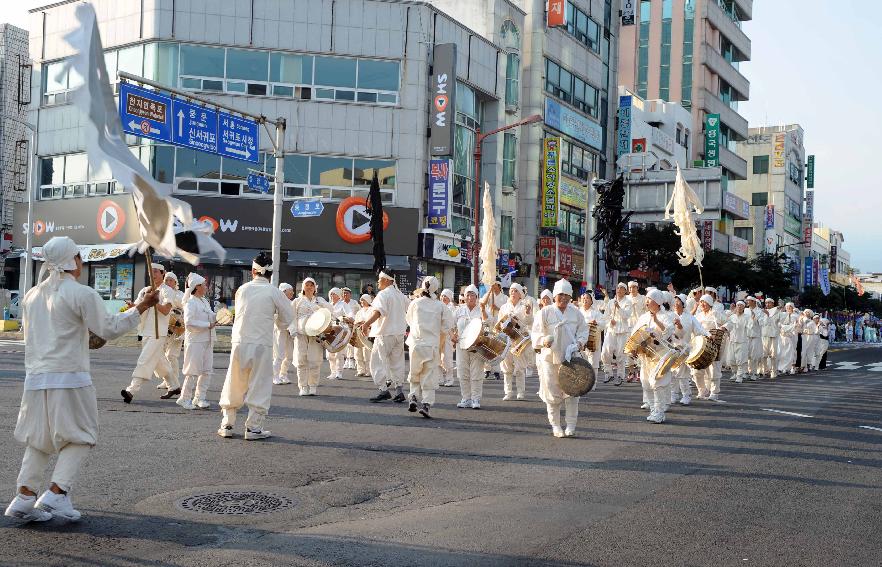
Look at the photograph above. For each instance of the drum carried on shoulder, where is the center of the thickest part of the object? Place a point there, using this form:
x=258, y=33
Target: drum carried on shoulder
x=519, y=337
x=661, y=353
x=478, y=337
x=175, y=323
x=332, y=334
x=593, y=344
x=704, y=350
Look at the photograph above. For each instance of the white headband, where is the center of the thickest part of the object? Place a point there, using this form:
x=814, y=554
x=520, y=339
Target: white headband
x=159, y=267
x=258, y=268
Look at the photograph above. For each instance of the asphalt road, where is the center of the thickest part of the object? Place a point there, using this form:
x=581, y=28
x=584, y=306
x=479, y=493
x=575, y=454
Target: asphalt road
x=784, y=473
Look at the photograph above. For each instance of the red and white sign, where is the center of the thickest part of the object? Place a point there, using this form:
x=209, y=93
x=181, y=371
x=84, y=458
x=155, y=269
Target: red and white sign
x=353, y=221
x=707, y=235
x=557, y=13
x=111, y=219
x=564, y=259
x=807, y=233
x=547, y=254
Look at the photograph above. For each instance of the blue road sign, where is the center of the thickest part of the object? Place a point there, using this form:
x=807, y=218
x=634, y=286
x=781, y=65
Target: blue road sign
x=258, y=183
x=237, y=138
x=145, y=113
x=194, y=126
x=307, y=208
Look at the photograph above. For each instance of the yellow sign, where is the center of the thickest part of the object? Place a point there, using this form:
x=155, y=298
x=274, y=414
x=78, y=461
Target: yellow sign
x=550, y=193
x=573, y=193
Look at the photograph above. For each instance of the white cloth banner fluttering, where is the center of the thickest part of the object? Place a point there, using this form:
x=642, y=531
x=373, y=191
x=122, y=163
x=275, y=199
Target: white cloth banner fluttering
x=684, y=200
x=489, y=250
x=106, y=146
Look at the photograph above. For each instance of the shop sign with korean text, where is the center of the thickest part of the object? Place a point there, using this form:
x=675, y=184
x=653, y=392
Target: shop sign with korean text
x=550, y=182
x=440, y=183
x=712, y=140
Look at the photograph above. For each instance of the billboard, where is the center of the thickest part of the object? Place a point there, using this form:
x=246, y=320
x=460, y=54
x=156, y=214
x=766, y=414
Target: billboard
x=623, y=143
x=557, y=13
x=810, y=173
x=443, y=103
x=550, y=193
x=440, y=183
x=712, y=140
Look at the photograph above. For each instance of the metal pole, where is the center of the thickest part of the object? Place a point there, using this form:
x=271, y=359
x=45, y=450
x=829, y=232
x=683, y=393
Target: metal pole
x=479, y=139
x=588, y=269
x=32, y=188
x=279, y=154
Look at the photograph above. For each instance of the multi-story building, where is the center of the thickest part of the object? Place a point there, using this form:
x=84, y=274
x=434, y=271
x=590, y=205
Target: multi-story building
x=828, y=247
x=15, y=91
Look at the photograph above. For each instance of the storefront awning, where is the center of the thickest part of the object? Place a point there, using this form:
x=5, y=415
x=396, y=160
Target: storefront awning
x=235, y=257
x=341, y=261
x=91, y=252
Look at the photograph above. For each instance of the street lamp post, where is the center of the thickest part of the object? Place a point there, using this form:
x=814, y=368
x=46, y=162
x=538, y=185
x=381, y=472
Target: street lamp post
x=32, y=172
x=479, y=139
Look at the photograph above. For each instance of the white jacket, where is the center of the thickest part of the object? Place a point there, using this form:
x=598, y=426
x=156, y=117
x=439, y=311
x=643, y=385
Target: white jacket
x=257, y=304
x=738, y=327
x=561, y=328
x=771, y=323
x=391, y=304
x=303, y=307
x=146, y=327
x=519, y=310
x=691, y=328
x=56, y=333
x=198, y=318
x=461, y=319
x=618, y=318
x=428, y=319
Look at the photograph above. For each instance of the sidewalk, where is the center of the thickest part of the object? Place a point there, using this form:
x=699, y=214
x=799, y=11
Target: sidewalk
x=222, y=344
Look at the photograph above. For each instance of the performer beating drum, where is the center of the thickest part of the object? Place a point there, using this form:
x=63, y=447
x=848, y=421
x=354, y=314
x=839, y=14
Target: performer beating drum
x=596, y=320
x=469, y=365
x=447, y=364
x=307, y=351
x=514, y=365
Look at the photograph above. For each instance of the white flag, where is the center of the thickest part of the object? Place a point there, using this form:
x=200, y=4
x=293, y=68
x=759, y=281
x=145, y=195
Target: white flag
x=105, y=144
x=684, y=201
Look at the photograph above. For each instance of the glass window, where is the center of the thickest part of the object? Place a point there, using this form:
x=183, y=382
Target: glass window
x=236, y=168
x=331, y=171
x=464, y=147
x=212, y=85
x=367, y=97
x=251, y=65
x=511, y=37
x=759, y=199
x=166, y=63
x=56, y=77
x=344, y=95
x=281, y=90
x=364, y=173
x=295, y=69
x=162, y=163
x=512, y=74
x=76, y=168
x=745, y=233
x=236, y=86
x=110, y=58
x=335, y=71
x=643, y=49
x=506, y=232
x=131, y=60
x=191, y=163
x=202, y=61
x=52, y=171
x=466, y=100
x=760, y=164
x=509, y=159
x=296, y=169
x=378, y=75
x=386, y=98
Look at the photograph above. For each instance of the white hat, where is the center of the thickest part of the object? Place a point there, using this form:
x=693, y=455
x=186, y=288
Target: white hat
x=470, y=289
x=562, y=286
x=334, y=291
x=59, y=255
x=193, y=280
x=517, y=287
x=808, y=312
x=153, y=265
x=741, y=303
x=707, y=299
x=710, y=289
x=431, y=284
x=682, y=297
x=345, y=289
x=285, y=287
x=385, y=276
x=789, y=304
x=448, y=293
x=634, y=283
x=546, y=293
x=697, y=290
x=171, y=275
x=770, y=300
x=366, y=298
x=622, y=284
x=750, y=298
x=816, y=316
x=656, y=295
x=669, y=297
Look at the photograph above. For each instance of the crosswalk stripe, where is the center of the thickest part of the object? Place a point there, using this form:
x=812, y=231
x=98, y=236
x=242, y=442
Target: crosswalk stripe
x=869, y=427
x=787, y=412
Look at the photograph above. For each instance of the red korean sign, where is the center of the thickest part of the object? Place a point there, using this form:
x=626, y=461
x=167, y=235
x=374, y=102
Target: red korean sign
x=547, y=253
x=564, y=259
x=557, y=13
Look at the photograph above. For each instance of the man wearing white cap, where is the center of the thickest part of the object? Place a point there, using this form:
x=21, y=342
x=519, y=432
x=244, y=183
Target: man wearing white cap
x=283, y=345
x=790, y=328
x=692, y=301
x=738, y=324
x=335, y=359
x=249, y=379
x=592, y=314
x=347, y=307
x=155, y=336
x=308, y=352
x=429, y=321
x=686, y=326
x=199, y=322
x=469, y=365
x=59, y=410
x=514, y=367
x=754, y=338
x=447, y=365
x=618, y=313
x=362, y=354
x=708, y=379
x=174, y=343
x=387, y=325
x=657, y=389
x=638, y=301
x=771, y=331
x=492, y=302
x=545, y=298
x=560, y=331
x=809, y=341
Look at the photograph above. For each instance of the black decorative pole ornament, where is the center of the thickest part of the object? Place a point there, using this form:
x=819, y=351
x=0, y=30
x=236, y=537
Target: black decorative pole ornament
x=374, y=208
x=610, y=222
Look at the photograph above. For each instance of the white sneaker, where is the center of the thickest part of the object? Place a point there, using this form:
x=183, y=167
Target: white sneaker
x=58, y=505
x=332, y=376
x=739, y=379
x=733, y=378
x=685, y=400
x=657, y=417
x=283, y=380
x=259, y=434
x=754, y=377
x=650, y=416
x=557, y=431
x=645, y=406
x=225, y=431
x=508, y=397
x=522, y=396
x=464, y=404
x=339, y=376
x=313, y=390
x=714, y=397
x=22, y=508
x=186, y=404
x=476, y=404
x=276, y=382
x=201, y=404
x=570, y=432
x=304, y=391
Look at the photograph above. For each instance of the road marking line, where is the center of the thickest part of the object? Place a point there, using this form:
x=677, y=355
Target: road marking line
x=868, y=427
x=787, y=412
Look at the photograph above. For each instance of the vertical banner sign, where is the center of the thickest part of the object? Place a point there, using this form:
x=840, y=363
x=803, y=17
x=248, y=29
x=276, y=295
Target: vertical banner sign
x=712, y=140
x=623, y=145
x=770, y=216
x=770, y=236
x=815, y=268
x=810, y=173
x=628, y=12
x=440, y=181
x=808, y=271
x=550, y=182
x=443, y=103
x=779, y=151
x=707, y=235
x=833, y=260
x=825, y=281
x=810, y=205
x=124, y=280
x=557, y=13
x=547, y=253
x=807, y=235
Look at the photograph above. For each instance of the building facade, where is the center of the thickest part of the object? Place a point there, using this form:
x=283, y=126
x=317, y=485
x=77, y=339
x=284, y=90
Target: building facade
x=15, y=141
x=828, y=247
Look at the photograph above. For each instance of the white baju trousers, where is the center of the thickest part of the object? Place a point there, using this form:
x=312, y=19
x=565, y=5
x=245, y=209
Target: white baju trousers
x=152, y=360
x=612, y=354
x=514, y=371
x=283, y=353
x=308, y=354
x=425, y=362
x=447, y=365
x=198, y=368
x=470, y=373
x=770, y=356
x=554, y=397
x=249, y=382
x=387, y=361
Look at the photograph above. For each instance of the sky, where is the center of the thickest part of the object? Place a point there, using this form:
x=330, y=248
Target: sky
x=815, y=64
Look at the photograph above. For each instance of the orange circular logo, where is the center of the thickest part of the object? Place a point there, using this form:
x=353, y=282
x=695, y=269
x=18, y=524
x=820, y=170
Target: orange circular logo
x=39, y=227
x=214, y=224
x=441, y=101
x=111, y=219
x=354, y=222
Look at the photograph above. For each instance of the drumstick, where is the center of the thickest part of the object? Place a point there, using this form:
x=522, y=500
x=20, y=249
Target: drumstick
x=149, y=259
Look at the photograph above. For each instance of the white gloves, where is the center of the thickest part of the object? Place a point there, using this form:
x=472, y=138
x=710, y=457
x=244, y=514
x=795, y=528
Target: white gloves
x=571, y=350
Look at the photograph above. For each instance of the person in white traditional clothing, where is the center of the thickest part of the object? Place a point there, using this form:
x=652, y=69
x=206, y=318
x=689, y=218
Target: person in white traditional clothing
x=308, y=352
x=348, y=307
x=199, y=322
x=469, y=365
x=155, y=335
x=545, y=298
x=738, y=323
x=824, y=334
x=660, y=325
x=708, y=379
x=249, y=380
x=754, y=338
x=790, y=328
x=618, y=313
x=362, y=354
x=430, y=321
x=447, y=364
x=809, y=341
x=592, y=314
x=59, y=408
x=771, y=331
x=335, y=359
x=387, y=356
x=514, y=366
x=492, y=302
x=638, y=301
x=692, y=301
x=686, y=326
x=560, y=331
x=174, y=344
x=283, y=345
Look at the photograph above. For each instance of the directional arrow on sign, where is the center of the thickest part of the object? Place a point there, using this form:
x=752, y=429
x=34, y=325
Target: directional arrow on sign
x=359, y=219
x=244, y=153
x=180, y=123
x=137, y=126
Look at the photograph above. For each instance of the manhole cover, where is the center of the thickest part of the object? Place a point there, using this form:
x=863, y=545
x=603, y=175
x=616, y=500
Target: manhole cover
x=235, y=503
